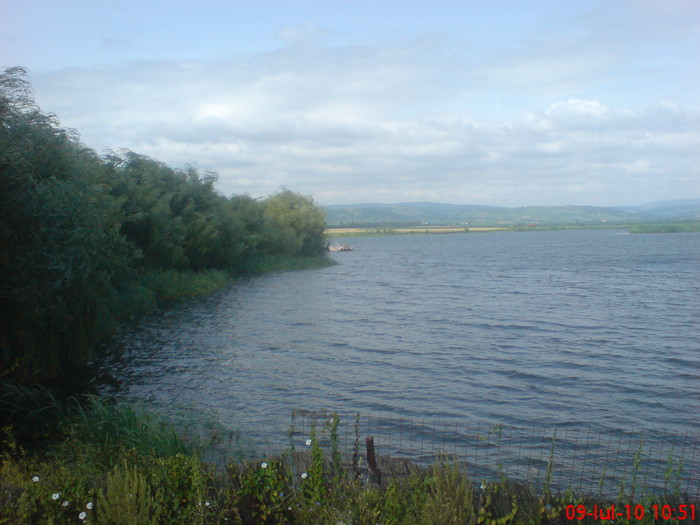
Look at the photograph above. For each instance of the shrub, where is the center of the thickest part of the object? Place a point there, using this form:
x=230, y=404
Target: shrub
x=127, y=498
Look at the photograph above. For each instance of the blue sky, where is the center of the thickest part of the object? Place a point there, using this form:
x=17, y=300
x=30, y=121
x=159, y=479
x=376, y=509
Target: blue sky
x=505, y=102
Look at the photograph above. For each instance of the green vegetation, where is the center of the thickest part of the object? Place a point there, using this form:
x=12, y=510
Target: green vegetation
x=110, y=464
x=646, y=227
x=405, y=215
x=666, y=227
x=87, y=240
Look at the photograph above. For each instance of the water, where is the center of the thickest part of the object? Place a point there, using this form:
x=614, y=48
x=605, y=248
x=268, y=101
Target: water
x=590, y=329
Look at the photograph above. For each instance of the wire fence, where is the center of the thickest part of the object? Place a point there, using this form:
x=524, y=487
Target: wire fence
x=607, y=464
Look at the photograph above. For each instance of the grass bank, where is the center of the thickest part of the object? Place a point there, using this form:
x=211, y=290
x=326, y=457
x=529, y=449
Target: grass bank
x=153, y=289
x=112, y=464
x=666, y=227
x=286, y=263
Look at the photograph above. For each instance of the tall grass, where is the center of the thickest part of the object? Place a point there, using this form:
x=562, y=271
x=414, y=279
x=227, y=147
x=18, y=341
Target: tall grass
x=109, y=430
x=274, y=263
x=39, y=420
x=118, y=464
x=33, y=412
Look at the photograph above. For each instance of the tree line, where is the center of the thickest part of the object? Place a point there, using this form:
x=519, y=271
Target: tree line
x=79, y=232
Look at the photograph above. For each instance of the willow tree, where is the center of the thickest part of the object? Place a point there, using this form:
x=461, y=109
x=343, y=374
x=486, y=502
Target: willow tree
x=60, y=244
x=296, y=225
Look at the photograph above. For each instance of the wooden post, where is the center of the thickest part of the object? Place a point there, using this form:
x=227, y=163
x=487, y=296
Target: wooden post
x=376, y=476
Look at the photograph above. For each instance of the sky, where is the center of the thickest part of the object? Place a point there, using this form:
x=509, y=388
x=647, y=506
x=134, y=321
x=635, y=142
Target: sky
x=503, y=102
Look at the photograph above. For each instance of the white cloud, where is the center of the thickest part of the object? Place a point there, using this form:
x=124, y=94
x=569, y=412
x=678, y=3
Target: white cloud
x=391, y=123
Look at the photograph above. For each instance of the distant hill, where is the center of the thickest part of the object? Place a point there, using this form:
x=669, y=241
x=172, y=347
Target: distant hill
x=414, y=213
x=675, y=210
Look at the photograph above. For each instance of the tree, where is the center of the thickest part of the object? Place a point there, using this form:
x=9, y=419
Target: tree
x=78, y=232
x=296, y=225
x=59, y=240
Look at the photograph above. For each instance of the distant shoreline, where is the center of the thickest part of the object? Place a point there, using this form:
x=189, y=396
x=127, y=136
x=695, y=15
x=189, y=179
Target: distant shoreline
x=352, y=232
x=649, y=227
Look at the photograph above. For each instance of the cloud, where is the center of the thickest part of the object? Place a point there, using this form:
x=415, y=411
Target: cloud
x=393, y=122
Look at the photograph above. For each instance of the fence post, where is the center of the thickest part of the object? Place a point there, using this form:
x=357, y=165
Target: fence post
x=376, y=476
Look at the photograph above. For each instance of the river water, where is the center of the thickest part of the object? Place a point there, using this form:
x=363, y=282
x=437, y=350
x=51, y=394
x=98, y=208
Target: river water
x=590, y=329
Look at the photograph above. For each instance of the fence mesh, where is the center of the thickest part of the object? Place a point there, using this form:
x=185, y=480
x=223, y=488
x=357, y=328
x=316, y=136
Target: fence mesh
x=609, y=464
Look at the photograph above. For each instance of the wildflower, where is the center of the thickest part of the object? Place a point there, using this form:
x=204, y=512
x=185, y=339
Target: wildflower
x=308, y=442
x=89, y=505
x=304, y=475
x=206, y=503
x=35, y=479
x=82, y=516
x=55, y=495
x=263, y=465
x=483, y=485
x=65, y=503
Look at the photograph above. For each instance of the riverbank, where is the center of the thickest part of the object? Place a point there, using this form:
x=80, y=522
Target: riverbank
x=361, y=232
x=160, y=288
x=666, y=227
x=113, y=464
x=653, y=227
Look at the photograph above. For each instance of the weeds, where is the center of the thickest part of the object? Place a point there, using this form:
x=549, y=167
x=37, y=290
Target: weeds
x=450, y=498
x=120, y=465
x=109, y=430
x=127, y=498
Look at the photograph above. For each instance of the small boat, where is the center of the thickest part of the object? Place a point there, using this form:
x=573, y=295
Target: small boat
x=335, y=247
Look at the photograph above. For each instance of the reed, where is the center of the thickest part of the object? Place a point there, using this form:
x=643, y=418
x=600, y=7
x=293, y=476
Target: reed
x=132, y=466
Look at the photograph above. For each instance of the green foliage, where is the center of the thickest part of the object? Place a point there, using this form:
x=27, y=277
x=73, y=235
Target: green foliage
x=263, y=492
x=498, y=507
x=59, y=242
x=107, y=431
x=450, y=497
x=179, y=489
x=33, y=412
x=296, y=225
x=182, y=489
x=86, y=241
x=33, y=491
x=127, y=498
x=275, y=263
x=666, y=227
x=313, y=500
x=405, y=499
x=172, y=284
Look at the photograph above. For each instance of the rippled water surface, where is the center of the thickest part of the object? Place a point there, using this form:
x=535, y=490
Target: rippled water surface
x=592, y=328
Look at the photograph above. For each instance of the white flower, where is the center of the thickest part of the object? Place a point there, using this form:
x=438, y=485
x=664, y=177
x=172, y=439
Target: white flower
x=82, y=515
x=304, y=475
x=483, y=485
x=65, y=503
x=263, y=465
x=55, y=495
x=35, y=479
x=308, y=442
x=206, y=503
x=89, y=505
